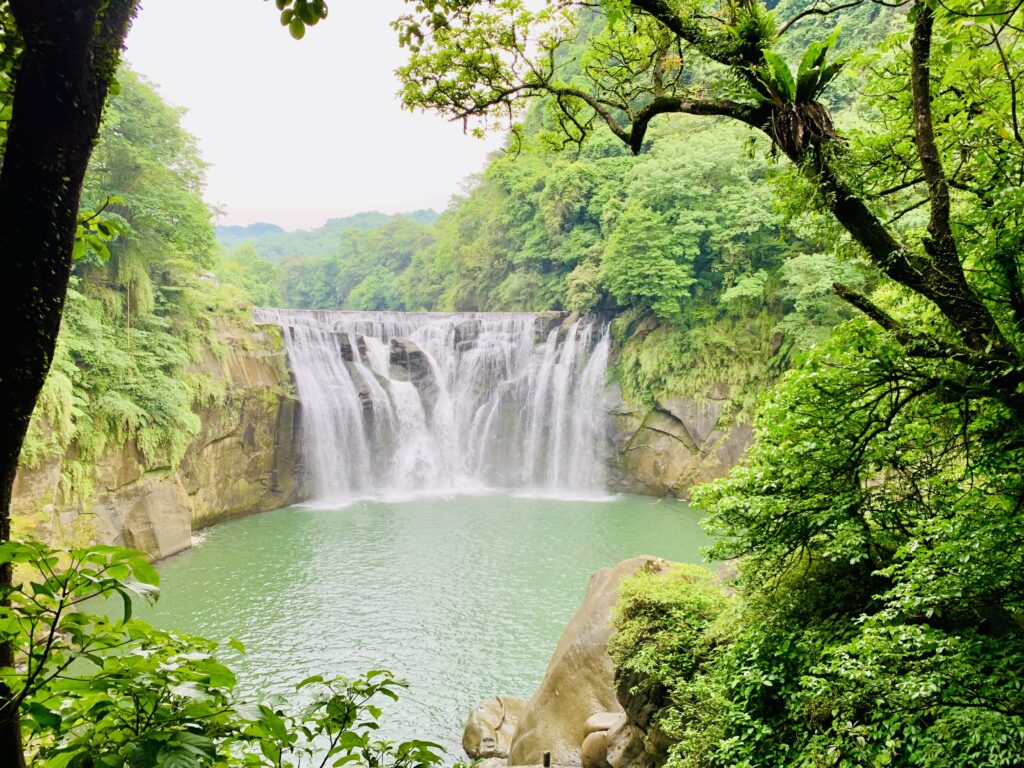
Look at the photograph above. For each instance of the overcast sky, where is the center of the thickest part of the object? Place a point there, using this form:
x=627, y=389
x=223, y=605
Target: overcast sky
x=297, y=132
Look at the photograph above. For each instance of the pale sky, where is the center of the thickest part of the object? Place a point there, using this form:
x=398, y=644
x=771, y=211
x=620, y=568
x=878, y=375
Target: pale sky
x=297, y=132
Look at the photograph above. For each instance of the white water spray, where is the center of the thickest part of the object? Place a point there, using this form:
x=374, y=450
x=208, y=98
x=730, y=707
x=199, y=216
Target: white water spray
x=397, y=403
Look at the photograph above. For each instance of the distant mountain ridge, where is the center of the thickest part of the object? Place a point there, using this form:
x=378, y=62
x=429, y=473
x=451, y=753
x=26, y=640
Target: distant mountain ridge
x=275, y=244
x=229, y=235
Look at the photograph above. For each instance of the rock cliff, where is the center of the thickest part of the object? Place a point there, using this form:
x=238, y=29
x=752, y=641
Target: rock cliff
x=680, y=442
x=243, y=460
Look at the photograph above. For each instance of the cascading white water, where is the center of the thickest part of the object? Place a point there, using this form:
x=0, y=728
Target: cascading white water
x=396, y=403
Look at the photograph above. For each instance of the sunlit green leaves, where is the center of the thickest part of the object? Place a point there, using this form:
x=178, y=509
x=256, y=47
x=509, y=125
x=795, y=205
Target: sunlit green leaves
x=96, y=230
x=812, y=78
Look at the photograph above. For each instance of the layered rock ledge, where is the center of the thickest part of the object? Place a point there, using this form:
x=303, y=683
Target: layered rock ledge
x=242, y=461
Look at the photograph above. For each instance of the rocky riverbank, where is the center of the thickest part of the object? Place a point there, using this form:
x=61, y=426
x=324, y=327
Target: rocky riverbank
x=242, y=461
x=668, y=448
x=578, y=716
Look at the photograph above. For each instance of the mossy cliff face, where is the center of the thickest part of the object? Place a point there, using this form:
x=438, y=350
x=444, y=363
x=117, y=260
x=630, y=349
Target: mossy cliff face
x=681, y=410
x=243, y=460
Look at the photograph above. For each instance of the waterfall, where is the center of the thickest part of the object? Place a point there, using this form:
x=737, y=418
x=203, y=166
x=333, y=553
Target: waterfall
x=399, y=403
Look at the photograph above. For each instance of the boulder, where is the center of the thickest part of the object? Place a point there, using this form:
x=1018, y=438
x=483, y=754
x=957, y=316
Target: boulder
x=594, y=751
x=603, y=721
x=625, y=747
x=489, y=730
x=579, y=682
x=408, y=362
x=352, y=346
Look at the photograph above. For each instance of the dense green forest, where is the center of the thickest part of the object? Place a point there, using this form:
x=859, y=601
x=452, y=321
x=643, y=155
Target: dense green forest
x=712, y=274
x=875, y=524
x=744, y=196
x=689, y=246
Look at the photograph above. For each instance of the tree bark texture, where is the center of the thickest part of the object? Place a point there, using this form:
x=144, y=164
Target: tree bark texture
x=70, y=54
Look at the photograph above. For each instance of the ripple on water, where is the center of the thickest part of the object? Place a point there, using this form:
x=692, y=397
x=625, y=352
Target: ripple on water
x=463, y=597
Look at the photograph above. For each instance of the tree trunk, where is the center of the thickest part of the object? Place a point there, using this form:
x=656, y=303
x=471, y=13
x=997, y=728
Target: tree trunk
x=71, y=51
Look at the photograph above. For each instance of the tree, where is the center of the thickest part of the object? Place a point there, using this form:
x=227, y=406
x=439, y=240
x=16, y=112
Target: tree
x=878, y=518
x=57, y=61
x=481, y=60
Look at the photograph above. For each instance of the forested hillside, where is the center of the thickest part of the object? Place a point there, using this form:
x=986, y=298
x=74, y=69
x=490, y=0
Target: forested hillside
x=687, y=244
x=712, y=276
x=144, y=297
x=875, y=525
x=275, y=244
x=817, y=206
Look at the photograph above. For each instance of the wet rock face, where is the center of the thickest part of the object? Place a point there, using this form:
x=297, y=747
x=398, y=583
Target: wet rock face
x=352, y=346
x=546, y=322
x=408, y=363
x=466, y=334
x=242, y=461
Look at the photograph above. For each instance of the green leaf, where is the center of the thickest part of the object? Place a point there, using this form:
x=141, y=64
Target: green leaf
x=146, y=573
x=126, y=600
x=781, y=75
x=62, y=759
x=190, y=690
x=46, y=718
x=828, y=74
x=309, y=681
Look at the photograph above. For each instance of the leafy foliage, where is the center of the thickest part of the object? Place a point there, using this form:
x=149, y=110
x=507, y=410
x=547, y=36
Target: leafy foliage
x=877, y=518
x=139, y=304
x=688, y=234
x=97, y=690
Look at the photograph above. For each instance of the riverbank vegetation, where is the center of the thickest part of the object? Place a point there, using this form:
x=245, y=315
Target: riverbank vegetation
x=143, y=301
x=111, y=690
x=876, y=521
x=730, y=185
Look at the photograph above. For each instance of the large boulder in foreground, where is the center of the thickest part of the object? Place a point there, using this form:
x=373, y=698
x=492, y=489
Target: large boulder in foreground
x=490, y=727
x=579, y=682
